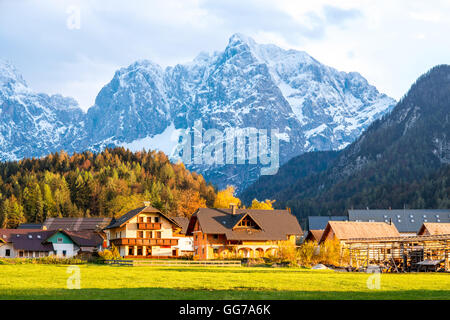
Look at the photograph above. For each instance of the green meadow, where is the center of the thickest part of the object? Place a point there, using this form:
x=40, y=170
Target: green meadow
x=29, y=281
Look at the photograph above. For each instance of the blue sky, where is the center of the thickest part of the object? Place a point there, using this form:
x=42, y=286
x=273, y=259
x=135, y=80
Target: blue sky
x=389, y=42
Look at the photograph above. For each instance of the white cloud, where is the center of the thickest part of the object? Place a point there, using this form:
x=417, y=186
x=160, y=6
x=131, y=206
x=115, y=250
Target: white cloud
x=389, y=42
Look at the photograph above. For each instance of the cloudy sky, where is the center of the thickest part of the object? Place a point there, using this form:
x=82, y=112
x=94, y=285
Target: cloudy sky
x=74, y=47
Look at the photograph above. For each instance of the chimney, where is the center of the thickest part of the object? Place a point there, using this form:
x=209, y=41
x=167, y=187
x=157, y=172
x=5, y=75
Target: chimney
x=147, y=203
x=233, y=208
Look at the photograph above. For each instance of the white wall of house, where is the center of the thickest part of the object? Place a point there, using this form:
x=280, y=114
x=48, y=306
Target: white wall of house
x=4, y=248
x=69, y=248
x=185, y=244
x=131, y=230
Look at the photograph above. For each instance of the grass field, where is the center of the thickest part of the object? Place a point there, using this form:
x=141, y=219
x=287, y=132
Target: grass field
x=115, y=282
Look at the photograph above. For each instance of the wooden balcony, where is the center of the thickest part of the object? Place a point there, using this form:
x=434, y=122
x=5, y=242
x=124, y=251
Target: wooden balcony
x=144, y=242
x=149, y=226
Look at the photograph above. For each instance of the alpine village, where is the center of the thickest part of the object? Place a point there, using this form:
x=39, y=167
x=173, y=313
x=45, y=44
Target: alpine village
x=381, y=202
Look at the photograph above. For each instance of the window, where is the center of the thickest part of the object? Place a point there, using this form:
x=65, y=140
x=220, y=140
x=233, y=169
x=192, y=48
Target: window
x=140, y=234
x=7, y=252
x=131, y=251
x=156, y=219
x=64, y=253
x=141, y=219
x=158, y=234
x=247, y=222
x=215, y=236
x=149, y=234
x=20, y=253
x=60, y=240
x=139, y=251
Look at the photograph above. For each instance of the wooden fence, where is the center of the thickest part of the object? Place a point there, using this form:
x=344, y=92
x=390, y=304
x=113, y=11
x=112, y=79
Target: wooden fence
x=119, y=262
x=187, y=263
x=175, y=263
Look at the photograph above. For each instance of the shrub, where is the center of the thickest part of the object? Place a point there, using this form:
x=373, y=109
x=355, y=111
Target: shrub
x=330, y=252
x=112, y=254
x=307, y=253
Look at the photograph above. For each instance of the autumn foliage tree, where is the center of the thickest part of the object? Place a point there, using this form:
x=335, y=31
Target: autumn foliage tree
x=108, y=183
x=262, y=205
x=225, y=198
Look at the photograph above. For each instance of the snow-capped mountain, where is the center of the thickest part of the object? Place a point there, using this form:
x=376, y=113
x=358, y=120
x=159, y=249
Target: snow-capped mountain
x=34, y=124
x=314, y=107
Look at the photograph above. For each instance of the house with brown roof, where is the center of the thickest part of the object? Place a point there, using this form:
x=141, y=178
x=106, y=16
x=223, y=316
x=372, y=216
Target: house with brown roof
x=31, y=243
x=346, y=230
x=145, y=232
x=221, y=233
x=314, y=235
x=434, y=228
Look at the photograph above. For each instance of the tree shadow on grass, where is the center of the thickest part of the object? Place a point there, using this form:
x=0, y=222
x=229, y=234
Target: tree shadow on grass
x=210, y=294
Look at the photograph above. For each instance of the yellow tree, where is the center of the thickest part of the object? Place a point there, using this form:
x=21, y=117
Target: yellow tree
x=225, y=198
x=263, y=205
x=188, y=201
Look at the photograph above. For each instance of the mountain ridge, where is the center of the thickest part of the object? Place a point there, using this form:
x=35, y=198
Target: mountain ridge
x=392, y=164
x=245, y=85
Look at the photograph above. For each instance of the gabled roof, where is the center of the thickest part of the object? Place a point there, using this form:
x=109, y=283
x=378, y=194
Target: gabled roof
x=76, y=224
x=245, y=215
x=406, y=220
x=183, y=222
x=275, y=224
x=36, y=226
x=7, y=235
x=432, y=228
x=344, y=230
x=314, y=235
x=27, y=239
x=320, y=222
x=37, y=240
x=85, y=238
x=131, y=214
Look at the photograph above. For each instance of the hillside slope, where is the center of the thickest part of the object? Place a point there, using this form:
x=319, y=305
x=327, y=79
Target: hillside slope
x=388, y=166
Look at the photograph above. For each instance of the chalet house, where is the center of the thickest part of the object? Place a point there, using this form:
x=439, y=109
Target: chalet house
x=145, y=233
x=31, y=243
x=407, y=221
x=346, y=230
x=431, y=229
x=221, y=233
